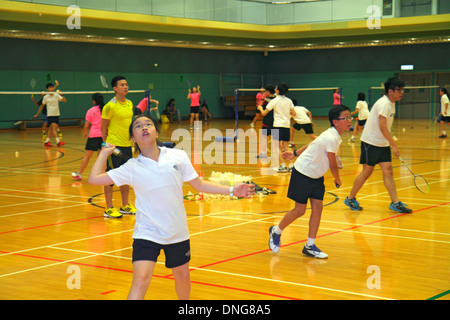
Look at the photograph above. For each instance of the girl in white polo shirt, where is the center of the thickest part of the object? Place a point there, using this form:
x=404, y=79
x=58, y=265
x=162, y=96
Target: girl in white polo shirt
x=157, y=176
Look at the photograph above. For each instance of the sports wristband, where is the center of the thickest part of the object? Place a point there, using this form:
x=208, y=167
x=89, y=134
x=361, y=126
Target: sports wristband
x=295, y=152
x=231, y=191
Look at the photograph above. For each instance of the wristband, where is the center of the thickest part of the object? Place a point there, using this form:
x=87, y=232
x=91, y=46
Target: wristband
x=295, y=152
x=231, y=191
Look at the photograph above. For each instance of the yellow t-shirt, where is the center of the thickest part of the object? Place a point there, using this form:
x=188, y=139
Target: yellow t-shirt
x=120, y=116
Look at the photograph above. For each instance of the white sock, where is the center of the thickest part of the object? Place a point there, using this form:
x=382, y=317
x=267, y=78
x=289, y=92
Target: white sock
x=57, y=140
x=444, y=132
x=47, y=140
x=277, y=230
x=310, y=242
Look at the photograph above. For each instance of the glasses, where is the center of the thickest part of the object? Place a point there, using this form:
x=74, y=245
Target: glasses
x=346, y=118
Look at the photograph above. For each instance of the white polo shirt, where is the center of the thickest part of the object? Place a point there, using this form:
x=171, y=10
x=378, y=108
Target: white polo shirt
x=161, y=216
x=363, y=110
x=281, y=107
x=301, y=117
x=313, y=162
x=372, y=134
x=52, y=102
x=444, y=101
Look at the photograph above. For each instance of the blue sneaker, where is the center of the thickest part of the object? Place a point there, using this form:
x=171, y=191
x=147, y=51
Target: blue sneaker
x=274, y=240
x=400, y=207
x=352, y=204
x=314, y=252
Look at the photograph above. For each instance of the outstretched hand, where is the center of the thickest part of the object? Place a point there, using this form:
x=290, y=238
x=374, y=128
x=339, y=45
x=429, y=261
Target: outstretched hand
x=244, y=190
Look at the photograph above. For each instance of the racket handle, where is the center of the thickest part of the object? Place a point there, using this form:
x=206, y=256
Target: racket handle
x=116, y=151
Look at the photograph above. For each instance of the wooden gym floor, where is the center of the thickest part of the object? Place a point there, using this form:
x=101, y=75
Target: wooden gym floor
x=53, y=235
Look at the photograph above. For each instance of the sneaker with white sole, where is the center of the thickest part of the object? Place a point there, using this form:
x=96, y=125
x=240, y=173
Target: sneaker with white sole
x=352, y=204
x=281, y=169
x=76, y=176
x=314, y=252
x=128, y=209
x=274, y=240
x=112, y=213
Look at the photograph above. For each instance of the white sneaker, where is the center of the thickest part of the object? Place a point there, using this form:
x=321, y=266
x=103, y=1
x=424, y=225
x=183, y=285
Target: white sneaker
x=281, y=168
x=352, y=139
x=76, y=176
x=252, y=125
x=314, y=252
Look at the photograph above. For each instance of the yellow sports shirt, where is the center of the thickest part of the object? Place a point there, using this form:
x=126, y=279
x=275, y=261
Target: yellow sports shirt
x=120, y=116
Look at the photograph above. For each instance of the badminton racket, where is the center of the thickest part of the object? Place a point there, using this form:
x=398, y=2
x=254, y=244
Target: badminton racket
x=103, y=81
x=419, y=181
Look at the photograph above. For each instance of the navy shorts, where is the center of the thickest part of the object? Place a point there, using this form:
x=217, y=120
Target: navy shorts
x=176, y=254
x=371, y=155
x=301, y=187
x=115, y=161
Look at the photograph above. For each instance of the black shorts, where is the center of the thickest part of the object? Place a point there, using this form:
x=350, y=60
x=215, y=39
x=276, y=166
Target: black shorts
x=302, y=187
x=176, y=254
x=195, y=109
x=445, y=119
x=93, y=144
x=371, y=155
x=362, y=123
x=305, y=126
x=266, y=130
x=51, y=120
x=115, y=161
x=284, y=134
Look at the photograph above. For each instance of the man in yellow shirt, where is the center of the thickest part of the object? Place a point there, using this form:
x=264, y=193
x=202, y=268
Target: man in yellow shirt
x=117, y=115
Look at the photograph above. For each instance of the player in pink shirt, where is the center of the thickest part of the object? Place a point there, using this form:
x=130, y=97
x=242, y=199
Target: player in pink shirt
x=143, y=105
x=336, y=97
x=94, y=139
x=260, y=97
x=195, y=104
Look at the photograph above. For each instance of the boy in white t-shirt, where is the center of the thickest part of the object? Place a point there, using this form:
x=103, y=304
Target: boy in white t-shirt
x=376, y=143
x=157, y=176
x=283, y=109
x=363, y=113
x=307, y=181
x=303, y=120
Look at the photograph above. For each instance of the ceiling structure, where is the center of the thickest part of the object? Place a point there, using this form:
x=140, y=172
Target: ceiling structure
x=47, y=22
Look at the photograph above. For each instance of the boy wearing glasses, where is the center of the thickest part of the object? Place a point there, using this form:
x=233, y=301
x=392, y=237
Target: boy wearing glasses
x=307, y=181
x=376, y=144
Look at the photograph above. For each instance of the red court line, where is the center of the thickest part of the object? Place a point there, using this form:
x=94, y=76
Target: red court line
x=168, y=277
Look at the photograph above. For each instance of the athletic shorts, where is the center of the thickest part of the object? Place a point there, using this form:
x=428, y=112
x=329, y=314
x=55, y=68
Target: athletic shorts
x=445, y=119
x=371, y=155
x=266, y=131
x=115, y=161
x=93, y=144
x=302, y=187
x=176, y=254
x=362, y=123
x=284, y=134
x=195, y=109
x=44, y=118
x=51, y=120
x=305, y=126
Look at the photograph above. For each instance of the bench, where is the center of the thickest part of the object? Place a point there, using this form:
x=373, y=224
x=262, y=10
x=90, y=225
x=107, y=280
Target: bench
x=22, y=125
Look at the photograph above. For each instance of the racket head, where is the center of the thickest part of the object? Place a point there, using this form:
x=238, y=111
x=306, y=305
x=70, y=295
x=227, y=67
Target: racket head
x=421, y=184
x=103, y=81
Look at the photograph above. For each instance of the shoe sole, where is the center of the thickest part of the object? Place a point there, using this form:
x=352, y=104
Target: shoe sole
x=306, y=253
x=111, y=217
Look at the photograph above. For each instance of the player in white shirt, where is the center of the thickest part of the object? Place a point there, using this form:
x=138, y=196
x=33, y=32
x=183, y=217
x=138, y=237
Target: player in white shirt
x=157, y=176
x=283, y=109
x=363, y=113
x=303, y=120
x=445, y=111
x=307, y=180
x=376, y=144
